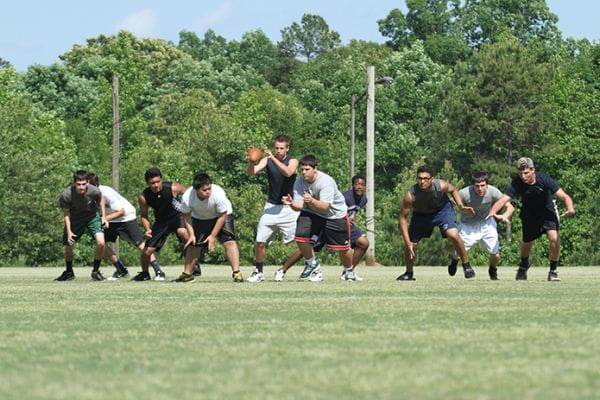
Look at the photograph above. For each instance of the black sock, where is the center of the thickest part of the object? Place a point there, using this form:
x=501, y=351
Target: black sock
x=524, y=263
x=466, y=265
x=453, y=262
x=553, y=265
x=120, y=266
x=155, y=266
x=69, y=265
x=493, y=267
x=97, y=264
x=259, y=266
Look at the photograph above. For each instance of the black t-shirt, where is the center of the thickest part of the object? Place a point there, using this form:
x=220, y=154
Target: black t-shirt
x=279, y=184
x=163, y=203
x=538, y=198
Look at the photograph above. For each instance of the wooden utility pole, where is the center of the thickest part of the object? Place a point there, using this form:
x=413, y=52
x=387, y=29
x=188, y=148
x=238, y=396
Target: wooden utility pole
x=116, y=136
x=371, y=164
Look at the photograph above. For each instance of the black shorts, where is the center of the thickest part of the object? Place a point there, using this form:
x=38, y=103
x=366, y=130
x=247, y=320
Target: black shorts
x=128, y=231
x=333, y=232
x=162, y=229
x=355, y=234
x=534, y=228
x=203, y=228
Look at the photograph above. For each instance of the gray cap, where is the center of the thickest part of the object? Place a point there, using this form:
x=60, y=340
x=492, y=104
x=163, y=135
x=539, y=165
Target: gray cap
x=525, y=162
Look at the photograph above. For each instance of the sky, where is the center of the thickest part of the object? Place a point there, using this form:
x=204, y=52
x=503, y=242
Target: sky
x=37, y=32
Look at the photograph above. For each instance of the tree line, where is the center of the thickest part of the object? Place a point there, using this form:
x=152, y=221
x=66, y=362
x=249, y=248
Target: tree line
x=477, y=84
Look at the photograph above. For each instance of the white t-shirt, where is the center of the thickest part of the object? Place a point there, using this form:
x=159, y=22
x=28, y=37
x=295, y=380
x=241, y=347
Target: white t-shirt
x=114, y=202
x=211, y=208
x=323, y=188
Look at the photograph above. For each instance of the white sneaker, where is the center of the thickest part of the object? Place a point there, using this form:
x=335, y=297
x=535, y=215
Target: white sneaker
x=279, y=275
x=256, y=277
x=343, y=275
x=349, y=275
x=316, y=276
x=160, y=276
x=356, y=277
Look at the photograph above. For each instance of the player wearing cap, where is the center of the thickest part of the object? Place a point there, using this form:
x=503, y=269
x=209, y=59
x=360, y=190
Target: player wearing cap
x=538, y=213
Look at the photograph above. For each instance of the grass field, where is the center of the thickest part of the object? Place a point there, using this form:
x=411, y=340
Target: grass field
x=434, y=338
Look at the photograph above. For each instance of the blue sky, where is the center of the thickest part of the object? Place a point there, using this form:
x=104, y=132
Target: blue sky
x=37, y=32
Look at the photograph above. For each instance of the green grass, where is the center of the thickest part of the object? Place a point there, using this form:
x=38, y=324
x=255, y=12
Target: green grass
x=435, y=338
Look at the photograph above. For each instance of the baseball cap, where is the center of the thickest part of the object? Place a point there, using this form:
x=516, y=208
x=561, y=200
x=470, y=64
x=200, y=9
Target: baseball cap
x=525, y=162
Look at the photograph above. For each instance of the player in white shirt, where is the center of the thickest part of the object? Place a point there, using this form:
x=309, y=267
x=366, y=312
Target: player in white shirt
x=208, y=216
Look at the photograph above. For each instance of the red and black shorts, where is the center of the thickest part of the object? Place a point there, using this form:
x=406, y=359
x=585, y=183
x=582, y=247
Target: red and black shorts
x=333, y=232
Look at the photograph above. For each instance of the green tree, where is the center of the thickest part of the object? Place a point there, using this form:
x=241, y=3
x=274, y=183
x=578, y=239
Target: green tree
x=308, y=39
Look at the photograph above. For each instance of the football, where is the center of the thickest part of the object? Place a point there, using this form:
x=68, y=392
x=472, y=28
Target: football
x=254, y=154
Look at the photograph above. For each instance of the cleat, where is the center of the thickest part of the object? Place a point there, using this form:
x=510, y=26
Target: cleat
x=521, y=274
x=309, y=268
x=279, y=275
x=119, y=275
x=349, y=275
x=493, y=273
x=256, y=277
x=469, y=272
x=237, y=276
x=356, y=277
x=142, y=276
x=184, y=278
x=197, y=271
x=160, y=276
x=97, y=276
x=407, y=276
x=316, y=275
x=452, y=267
x=343, y=275
x=553, y=276
x=66, y=276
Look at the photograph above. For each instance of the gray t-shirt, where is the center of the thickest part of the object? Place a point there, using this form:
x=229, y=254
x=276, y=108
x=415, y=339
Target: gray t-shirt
x=481, y=204
x=323, y=188
x=83, y=207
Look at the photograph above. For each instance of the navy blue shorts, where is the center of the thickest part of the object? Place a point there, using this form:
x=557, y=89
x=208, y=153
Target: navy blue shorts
x=421, y=225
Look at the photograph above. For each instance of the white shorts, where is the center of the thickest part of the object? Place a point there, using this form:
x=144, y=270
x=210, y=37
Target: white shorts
x=483, y=232
x=277, y=218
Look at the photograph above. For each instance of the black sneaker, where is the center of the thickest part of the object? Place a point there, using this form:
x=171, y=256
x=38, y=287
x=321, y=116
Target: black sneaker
x=142, y=276
x=407, y=276
x=66, y=276
x=197, y=271
x=97, y=276
x=452, y=267
x=553, y=276
x=184, y=278
x=119, y=275
x=469, y=272
x=521, y=274
x=493, y=273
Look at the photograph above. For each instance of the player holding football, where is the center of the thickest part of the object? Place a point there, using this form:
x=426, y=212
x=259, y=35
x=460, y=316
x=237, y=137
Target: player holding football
x=276, y=216
x=431, y=207
x=80, y=203
x=477, y=228
x=538, y=213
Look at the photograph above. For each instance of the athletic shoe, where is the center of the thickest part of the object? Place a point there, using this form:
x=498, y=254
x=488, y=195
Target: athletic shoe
x=308, y=269
x=349, y=275
x=343, y=275
x=469, y=272
x=452, y=267
x=356, y=276
x=316, y=275
x=237, y=276
x=119, y=275
x=407, y=276
x=160, y=276
x=553, y=276
x=256, y=277
x=521, y=274
x=279, y=275
x=97, y=276
x=197, y=271
x=184, y=278
x=493, y=273
x=66, y=276
x=142, y=276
